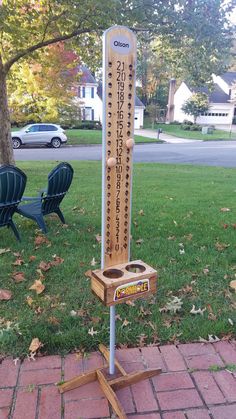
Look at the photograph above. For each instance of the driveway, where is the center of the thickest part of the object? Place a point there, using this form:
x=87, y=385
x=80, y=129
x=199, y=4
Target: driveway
x=149, y=133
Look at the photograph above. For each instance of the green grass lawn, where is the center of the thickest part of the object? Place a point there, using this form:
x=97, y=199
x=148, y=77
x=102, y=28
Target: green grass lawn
x=184, y=235
x=177, y=131
x=82, y=136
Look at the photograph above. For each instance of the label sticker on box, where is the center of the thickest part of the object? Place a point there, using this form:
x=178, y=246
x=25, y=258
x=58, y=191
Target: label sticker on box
x=131, y=289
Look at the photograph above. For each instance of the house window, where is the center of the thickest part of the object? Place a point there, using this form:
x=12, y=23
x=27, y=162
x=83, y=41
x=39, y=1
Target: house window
x=92, y=92
x=88, y=114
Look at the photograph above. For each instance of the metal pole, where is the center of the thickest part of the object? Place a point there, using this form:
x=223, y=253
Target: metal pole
x=112, y=339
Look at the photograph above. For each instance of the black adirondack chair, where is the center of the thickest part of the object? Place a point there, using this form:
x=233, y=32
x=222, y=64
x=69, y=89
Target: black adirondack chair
x=48, y=201
x=12, y=186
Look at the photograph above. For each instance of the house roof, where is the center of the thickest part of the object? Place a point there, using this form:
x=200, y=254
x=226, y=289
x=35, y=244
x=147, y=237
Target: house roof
x=86, y=76
x=138, y=102
x=229, y=77
x=217, y=95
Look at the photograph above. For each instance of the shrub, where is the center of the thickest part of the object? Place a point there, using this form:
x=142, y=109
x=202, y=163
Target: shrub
x=88, y=125
x=195, y=127
x=186, y=122
x=185, y=127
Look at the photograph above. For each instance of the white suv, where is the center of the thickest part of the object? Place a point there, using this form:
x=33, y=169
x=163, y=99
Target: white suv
x=49, y=134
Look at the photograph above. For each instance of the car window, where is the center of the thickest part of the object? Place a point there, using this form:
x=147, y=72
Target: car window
x=48, y=128
x=34, y=128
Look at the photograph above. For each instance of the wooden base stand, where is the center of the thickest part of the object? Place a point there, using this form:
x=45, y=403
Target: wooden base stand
x=109, y=384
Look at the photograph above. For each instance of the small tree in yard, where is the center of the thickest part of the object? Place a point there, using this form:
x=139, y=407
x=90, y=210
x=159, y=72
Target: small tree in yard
x=196, y=105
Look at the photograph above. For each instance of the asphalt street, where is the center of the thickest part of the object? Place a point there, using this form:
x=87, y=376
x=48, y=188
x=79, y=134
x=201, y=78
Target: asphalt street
x=213, y=153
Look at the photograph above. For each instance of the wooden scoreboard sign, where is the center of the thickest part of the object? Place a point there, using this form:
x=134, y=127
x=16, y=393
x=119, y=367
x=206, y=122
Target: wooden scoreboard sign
x=119, y=98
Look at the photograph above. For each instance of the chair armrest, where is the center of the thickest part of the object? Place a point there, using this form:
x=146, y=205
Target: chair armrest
x=29, y=198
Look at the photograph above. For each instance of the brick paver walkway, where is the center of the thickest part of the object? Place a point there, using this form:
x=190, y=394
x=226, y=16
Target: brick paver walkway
x=189, y=387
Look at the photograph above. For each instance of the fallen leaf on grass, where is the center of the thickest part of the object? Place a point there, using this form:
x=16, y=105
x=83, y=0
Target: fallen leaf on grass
x=98, y=238
x=211, y=339
x=41, y=240
x=18, y=262
x=32, y=258
x=141, y=212
x=125, y=323
x=92, y=332
x=221, y=246
x=225, y=209
x=231, y=322
x=130, y=303
x=141, y=340
x=5, y=295
x=172, y=306
x=45, y=266
x=57, y=260
x=29, y=300
x=197, y=311
x=18, y=276
x=53, y=320
x=93, y=262
x=96, y=319
x=139, y=241
x=37, y=286
x=35, y=345
x=2, y=251
x=233, y=285
x=171, y=238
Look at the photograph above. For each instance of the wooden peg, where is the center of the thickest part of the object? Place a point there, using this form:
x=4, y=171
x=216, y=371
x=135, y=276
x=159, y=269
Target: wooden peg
x=130, y=143
x=111, y=162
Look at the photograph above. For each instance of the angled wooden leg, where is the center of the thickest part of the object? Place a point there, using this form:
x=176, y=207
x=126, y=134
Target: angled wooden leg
x=111, y=396
x=133, y=378
x=103, y=349
x=78, y=381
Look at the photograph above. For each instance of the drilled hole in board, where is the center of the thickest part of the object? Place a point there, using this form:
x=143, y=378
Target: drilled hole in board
x=135, y=268
x=109, y=114
x=128, y=124
x=108, y=226
x=110, y=85
x=108, y=152
x=126, y=223
x=109, y=104
x=130, y=67
x=108, y=233
x=128, y=133
x=129, y=105
x=108, y=178
x=110, y=95
x=126, y=193
x=127, y=185
x=126, y=216
x=113, y=273
x=126, y=208
x=125, y=238
x=108, y=194
x=108, y=210
x=127, y=176
x=108, y=203
x=125, y=246
x=108, y=219
x=109, y=143
x=130, y=86
x=125, y=231
x=109, y=186
x=109, y=133
x=108, y=241
x=110, y=64
x=126, y=200
x=110, y=75
x=130, y=76
x=129, y=96
x=127, y=168
x=129, y=115
x=109, y=124
x=127, y=159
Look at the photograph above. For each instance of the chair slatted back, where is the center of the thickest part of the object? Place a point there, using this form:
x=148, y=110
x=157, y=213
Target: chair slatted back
x=12, y=186
x=59, y=181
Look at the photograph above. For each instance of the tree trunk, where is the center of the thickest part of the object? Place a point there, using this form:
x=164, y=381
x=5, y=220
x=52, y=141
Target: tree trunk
x=6, y=150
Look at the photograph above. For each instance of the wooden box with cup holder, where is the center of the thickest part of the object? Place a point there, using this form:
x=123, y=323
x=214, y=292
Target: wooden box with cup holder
x=126, y=281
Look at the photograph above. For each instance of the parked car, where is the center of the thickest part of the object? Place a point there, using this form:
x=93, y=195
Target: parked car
x=49, y=134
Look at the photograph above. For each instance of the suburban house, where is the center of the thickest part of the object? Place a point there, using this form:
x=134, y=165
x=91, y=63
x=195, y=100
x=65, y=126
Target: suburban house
x=222, y=101
x=90, y=99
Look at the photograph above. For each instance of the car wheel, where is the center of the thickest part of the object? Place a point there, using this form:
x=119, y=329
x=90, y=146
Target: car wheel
x=56, y=143
x=16, y=142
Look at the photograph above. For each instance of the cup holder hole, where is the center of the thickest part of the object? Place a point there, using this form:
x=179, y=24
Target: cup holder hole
x=113, y=273
x=135, y=268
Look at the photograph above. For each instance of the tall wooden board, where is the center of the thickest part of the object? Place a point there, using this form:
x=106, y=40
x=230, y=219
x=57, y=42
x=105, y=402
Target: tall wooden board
x=118, y=127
